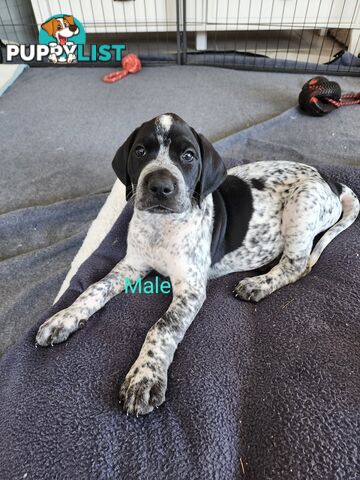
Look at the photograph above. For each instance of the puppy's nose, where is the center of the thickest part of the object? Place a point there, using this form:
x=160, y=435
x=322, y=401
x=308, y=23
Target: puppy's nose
x=161, y=184
x=73, y=28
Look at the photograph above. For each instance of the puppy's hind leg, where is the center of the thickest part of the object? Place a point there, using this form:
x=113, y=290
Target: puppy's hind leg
x=350, y=211
x=300, y=224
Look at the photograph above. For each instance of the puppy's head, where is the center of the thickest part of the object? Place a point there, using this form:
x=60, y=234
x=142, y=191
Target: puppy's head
x=61, y=28
x=168, y=165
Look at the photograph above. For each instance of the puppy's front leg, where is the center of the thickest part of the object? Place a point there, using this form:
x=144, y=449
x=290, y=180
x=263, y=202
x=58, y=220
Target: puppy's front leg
x=57, y=328
x=145, y=384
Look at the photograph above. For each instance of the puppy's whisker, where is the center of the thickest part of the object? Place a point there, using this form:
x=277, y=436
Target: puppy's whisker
x=132, y=195
x=196, y=196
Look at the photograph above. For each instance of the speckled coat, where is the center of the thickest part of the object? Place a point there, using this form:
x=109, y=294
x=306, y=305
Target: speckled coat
x=174, y=174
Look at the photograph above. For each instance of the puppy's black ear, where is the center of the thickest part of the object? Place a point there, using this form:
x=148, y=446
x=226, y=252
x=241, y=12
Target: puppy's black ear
x=120, y=163
x=213, y=170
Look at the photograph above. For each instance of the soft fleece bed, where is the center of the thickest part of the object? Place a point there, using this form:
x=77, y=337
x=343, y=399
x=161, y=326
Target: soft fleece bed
x=52, y=187
x=258, y=392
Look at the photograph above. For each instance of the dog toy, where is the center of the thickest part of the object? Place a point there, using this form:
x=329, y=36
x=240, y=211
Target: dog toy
x=130, y=64
x=320, y=96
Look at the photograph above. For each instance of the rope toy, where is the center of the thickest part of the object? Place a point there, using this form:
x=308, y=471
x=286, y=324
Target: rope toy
x=320, y=96
x=130, y=64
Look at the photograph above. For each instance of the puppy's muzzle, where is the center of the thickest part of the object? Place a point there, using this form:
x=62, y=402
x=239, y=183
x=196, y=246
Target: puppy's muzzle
x=160, y=191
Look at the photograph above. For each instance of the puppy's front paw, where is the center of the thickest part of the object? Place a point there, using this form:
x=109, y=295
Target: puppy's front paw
x=58, y=328
x=252, y=289
x=143, y=389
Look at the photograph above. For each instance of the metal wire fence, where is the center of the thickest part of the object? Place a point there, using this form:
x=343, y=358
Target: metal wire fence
x=296, y=35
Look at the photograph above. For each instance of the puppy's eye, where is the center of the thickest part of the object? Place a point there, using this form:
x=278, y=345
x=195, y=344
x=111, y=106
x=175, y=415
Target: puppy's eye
x=188, y=156
x=140, y=151
x=59, y=27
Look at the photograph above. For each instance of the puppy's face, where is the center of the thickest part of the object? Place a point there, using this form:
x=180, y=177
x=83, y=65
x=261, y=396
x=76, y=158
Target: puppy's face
x=61, y=28
x=168, y=166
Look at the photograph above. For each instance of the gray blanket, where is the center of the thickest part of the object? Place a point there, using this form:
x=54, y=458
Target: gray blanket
x=53, y=184
x=259, y=392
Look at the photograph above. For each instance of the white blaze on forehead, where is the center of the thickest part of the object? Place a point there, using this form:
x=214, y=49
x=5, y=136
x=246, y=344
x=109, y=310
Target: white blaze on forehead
x=165, y=122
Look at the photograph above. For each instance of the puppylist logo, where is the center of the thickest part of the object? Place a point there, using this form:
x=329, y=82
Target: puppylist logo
x=62, y=40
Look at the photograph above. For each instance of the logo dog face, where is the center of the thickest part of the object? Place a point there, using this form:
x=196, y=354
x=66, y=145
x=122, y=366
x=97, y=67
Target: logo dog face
x=169, y=166
x=61, y=28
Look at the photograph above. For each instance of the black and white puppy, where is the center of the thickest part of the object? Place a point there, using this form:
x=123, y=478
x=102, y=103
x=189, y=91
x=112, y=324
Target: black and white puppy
x=192, y=221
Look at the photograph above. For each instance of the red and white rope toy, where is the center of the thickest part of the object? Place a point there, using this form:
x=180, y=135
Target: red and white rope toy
x=130, y=64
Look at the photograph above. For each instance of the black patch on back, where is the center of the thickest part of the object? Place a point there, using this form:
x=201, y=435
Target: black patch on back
x=336, y=187
x=258, y=183
x=219, y=227
x=233, y=208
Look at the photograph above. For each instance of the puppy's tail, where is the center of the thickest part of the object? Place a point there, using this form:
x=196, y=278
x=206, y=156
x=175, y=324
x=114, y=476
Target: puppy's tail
x=350, y=211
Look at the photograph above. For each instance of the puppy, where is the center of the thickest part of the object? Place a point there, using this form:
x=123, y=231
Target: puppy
x=61, y=29
x=193, y=220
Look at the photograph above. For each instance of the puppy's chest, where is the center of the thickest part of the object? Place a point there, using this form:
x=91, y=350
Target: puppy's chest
x=167, y=244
